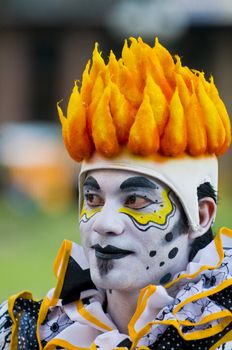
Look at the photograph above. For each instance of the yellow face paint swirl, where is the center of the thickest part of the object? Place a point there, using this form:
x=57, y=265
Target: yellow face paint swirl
x=86, y=214
x=158, y=217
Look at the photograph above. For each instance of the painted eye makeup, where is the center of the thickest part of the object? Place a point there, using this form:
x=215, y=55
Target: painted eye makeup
x=93, y=200
x=135, y=201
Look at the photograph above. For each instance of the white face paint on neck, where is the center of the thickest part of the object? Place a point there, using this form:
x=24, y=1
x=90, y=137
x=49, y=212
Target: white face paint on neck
x=132, y=230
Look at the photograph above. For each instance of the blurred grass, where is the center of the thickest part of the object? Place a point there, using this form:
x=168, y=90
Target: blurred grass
x=224, y=217
x=29, y=243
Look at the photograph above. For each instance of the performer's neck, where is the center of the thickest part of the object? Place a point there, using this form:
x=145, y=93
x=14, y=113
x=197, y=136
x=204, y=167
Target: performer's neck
x=121, y=306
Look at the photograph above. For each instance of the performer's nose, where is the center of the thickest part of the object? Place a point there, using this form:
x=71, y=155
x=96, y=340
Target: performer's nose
x=108, y=221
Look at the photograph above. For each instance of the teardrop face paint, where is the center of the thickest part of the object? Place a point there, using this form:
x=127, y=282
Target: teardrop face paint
x=132, y=230
x=87, y=214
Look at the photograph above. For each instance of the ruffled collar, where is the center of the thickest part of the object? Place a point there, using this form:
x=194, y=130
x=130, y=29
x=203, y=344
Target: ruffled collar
x=187, y=303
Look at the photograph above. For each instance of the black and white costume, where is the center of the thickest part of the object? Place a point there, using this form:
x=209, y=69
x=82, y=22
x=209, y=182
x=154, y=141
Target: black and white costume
x=191, y=312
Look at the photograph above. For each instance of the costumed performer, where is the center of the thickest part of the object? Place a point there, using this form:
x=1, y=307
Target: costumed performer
x=151, y=273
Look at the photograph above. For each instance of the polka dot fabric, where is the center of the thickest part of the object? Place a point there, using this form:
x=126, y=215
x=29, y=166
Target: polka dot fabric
x=224, y=298
x=171, y=340
x=26, y=315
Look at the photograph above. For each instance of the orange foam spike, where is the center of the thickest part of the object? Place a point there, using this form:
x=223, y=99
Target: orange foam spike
x=185, y=72
x=183, y=90
x=214, y=127
x=122, y=113
x=128, y=86
x=74, y=128
x=87, y=85
x=103, y=129
x=131, y=59
x=98, y=64
x=144, y=136
x=223, y=115
x=174, y=140
x=196, y=133
x=158, y=103
x=79, y=141
x=96, y=94
x=113, y=68
x=157, y=74
x=64, y=125
x=166, y=61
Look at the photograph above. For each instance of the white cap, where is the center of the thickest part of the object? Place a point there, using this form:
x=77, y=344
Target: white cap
x=182, y=174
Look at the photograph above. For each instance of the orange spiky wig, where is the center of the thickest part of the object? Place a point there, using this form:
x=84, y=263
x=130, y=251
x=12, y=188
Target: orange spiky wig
x=146, y=101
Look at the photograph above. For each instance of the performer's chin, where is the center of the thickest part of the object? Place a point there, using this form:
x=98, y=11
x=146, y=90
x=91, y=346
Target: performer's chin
x=104, y=266
x=107, y=274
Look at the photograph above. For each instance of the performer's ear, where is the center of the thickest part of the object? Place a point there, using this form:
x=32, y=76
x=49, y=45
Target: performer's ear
x=207, y=212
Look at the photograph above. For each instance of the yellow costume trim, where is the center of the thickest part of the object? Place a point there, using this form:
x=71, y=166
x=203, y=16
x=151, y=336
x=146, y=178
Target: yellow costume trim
x=51, y=345
x=225, y=339
x=193, y=336
x=93, y=346
x=61, y=263
x=222, y=286
x=41, y=317
x=142, y=302
x=226, y=231
x=159, y=216
x=206, y=319
x=89, y=317
x=147, y=101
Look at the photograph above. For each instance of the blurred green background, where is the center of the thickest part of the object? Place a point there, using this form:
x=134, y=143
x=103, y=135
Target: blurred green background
x=44, y=46
x=28, y=248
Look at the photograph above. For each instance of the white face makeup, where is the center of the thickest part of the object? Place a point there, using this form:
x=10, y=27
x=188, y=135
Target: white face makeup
x=132, y=230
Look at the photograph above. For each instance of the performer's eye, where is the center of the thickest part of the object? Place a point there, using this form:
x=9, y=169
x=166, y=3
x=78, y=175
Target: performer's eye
x=94, y=200
x=135, y=201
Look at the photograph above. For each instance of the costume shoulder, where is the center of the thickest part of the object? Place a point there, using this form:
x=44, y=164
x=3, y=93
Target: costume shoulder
x=27, y=324
x=18, y=319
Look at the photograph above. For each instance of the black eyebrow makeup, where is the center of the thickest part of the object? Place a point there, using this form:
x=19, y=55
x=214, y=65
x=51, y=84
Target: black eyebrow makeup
x=137, y=182
x=91, y=183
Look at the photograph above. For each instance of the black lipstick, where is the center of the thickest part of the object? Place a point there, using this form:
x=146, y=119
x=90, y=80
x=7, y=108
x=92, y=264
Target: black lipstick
x=110, y=252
